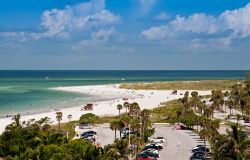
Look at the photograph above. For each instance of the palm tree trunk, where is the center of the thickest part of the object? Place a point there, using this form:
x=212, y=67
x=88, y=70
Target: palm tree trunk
x=120, y=133
x=59, y=125
x=115, y=134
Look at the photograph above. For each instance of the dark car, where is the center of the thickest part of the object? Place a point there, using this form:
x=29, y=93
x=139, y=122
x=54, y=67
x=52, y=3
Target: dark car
x=202, y=149
x=88, y=132
x=197, y=158
x=149, y=154
x=145, y=157
x=153, y=146
x=200, y=155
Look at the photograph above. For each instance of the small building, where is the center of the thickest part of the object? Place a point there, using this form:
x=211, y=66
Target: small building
x=88, y=107
x=174, y=92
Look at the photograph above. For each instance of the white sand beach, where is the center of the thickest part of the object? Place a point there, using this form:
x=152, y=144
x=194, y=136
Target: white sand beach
x=145, y=98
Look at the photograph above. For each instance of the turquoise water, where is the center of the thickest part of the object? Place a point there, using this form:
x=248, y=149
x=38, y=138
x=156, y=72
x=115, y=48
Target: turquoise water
x=28, y=91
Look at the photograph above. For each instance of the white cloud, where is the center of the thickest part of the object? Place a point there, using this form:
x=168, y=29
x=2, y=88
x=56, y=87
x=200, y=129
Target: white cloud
x=79, y=17
x=196, y=23
x=103, y=34
x=147, y=5
x=98, y=39
x=55, y=21
x=155, y=33
x=236, y=21
x=162, y=16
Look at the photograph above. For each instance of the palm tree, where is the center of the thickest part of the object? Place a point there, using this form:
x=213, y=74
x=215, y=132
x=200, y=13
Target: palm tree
x=145, y=114
x=238, y=116
x=230, y=103
x=70, y=117
x=235, y=145
x=217, y=98
x=119, y=107
x=59, y=118
x=126, y=120
x=201, y=106
x=126, y=106
x=115, y=125
x=195, y=99
x=113, y=153
x=205, y=134
x=134, y=109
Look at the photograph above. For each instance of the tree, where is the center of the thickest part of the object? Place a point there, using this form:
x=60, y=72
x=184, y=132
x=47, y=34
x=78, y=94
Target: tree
x=117, y=150
x=88, y=118
x=134, y=109
x=145, y=114
x=195, y=99
x=238, y=116
x=126, y=106
x=70, y=117
x=119, y=107
x=234, y=146
x=59, y=118
x=126, y=120
x=115, y=125
x=217, y=98
x=230, y=103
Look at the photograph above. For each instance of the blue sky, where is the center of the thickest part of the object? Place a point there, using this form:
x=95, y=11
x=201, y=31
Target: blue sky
x=124, y=34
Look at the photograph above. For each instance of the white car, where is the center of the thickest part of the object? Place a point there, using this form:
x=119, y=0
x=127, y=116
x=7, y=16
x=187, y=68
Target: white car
x=156, y=144
x=157, y=140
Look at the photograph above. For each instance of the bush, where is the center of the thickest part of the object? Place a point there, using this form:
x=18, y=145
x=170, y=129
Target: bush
x=88, y=118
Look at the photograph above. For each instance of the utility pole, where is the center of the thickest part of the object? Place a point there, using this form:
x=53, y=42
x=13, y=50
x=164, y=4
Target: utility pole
x=141, y=127
x=129, y=135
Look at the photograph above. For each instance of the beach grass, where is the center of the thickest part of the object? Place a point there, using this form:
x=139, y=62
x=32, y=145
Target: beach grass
x=166, y=112
x=67, y=127
x=183, y=85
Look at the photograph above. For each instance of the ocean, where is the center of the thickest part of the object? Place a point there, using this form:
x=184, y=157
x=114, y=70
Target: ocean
x=28, y=91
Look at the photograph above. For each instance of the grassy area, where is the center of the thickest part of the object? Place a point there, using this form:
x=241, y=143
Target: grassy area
x=166, y=112
x=70, y=126
x=183, y=85
x=107, y=119
x=67, y=127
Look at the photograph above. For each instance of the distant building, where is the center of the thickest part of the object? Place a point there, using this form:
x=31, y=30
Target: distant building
x=88, y=107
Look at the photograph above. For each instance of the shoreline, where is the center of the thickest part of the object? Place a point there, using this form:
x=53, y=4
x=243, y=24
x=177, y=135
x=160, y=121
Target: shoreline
x=147, y=99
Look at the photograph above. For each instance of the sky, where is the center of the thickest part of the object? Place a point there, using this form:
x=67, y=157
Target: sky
x=125, y=34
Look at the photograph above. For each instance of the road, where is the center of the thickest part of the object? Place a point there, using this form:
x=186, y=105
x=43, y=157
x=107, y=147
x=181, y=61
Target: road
x=105, y=134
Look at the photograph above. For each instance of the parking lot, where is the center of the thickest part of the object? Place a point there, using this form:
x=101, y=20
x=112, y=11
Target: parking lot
x=178, y=143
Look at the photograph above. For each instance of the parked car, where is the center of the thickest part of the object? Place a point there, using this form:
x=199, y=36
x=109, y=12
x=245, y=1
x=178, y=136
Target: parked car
x=200, y=155
x=88, y=136
x=198, y=146
x=145, y=157
x=197, y=158
x=91, y=139
x=88, y=133
x=149, y=154
x=153, y=146
x=151, y=150
x=157, y=144
x=202, y=149
x=157, y=140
